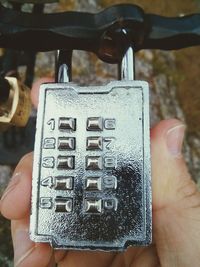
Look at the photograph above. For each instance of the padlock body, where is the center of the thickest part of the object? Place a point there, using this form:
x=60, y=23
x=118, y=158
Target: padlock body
x=91, y=174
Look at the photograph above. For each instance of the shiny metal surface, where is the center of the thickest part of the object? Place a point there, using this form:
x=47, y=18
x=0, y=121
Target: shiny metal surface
x=107, y=205
x=63, y=66
x=127, y=67
x=94, y=143
x=95, y=124
x=63, y=183
x=93, y=183
x=66, y=143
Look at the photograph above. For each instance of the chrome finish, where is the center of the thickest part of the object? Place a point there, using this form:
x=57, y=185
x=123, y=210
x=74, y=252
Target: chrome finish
x=93, y=183
x=63, y=205
x=93, y=206
x=94, y=163
x=127, y=67
x=63, y=66
x=67, y=123
x=65, y=162
x=95, y=124
x=66, y=143
x=63, y=183
x=107, y=203
x=94, y=143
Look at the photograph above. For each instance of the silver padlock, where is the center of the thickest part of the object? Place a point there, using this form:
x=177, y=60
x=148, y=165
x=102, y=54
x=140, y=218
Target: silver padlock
x=91, y=174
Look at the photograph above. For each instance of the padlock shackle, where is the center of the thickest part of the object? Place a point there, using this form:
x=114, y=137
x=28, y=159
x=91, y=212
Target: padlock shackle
x=127, y=66
x=63, y=66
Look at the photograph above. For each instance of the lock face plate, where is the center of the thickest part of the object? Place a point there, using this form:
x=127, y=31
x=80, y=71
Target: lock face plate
x=91, y=174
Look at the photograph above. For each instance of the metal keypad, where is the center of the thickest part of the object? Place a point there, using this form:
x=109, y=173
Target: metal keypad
x=94, y=163
x=95, y=124
x=65, y=162
x=67, y=123
x=64, y=183
x=91, y=175
x=63, y=205
x=94, y=143
x=93, y=184
x=93, y=206
x=66, y=143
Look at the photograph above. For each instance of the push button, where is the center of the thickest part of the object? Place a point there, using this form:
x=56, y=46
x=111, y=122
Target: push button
x=94, y=142
x=66, y=143
x=65, y=162
x=64, y=183
x=95, y=124
x=93, y=206
x=93, y=163
x=93, y=184
x=67, y=124
x=63, y=204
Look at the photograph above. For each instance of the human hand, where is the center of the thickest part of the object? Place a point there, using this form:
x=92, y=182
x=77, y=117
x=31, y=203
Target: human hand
x=176, y=213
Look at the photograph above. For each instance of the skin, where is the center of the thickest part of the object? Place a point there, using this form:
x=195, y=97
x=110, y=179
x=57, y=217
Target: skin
x=176, y=212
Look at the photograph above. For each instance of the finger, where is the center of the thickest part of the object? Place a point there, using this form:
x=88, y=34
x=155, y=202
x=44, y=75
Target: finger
x=144, y=256
x=87, y=259
x=176, y=201
x=15, y=202
x=26, y=252
x=166, y=148
x=36, y=87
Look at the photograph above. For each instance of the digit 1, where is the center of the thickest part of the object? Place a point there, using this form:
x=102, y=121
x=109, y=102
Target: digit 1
x=51, y=123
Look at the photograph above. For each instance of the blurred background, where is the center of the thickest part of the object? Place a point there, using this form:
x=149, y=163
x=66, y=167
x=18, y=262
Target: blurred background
x=174, y=79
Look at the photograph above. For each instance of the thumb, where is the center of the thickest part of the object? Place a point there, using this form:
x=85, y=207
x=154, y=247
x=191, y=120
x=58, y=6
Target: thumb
x=176, y=200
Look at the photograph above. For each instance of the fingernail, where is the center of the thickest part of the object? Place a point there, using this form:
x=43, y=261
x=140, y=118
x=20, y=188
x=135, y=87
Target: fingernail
x=174, y=140
x=23, y=246
x=11, y=186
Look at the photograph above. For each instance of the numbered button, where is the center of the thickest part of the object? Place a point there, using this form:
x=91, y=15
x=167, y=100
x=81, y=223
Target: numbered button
x=93, y=163
x=64, y=183
x=64, y=204
x=95, y=124
x=65, y=162
x=94, y=143
x=93, y=184
x=93, y=206
x=66, y=143
x=67, y=124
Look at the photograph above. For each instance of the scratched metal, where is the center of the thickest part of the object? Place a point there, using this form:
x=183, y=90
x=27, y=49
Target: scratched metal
x=128, y=220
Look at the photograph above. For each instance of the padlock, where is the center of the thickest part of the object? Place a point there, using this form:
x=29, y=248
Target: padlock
x=91, y=175
x=15, y=103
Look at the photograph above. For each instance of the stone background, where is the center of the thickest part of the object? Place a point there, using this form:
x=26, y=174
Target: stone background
x=173, y=78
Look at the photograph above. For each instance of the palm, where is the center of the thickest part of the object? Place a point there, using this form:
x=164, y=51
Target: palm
x=146, y=256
